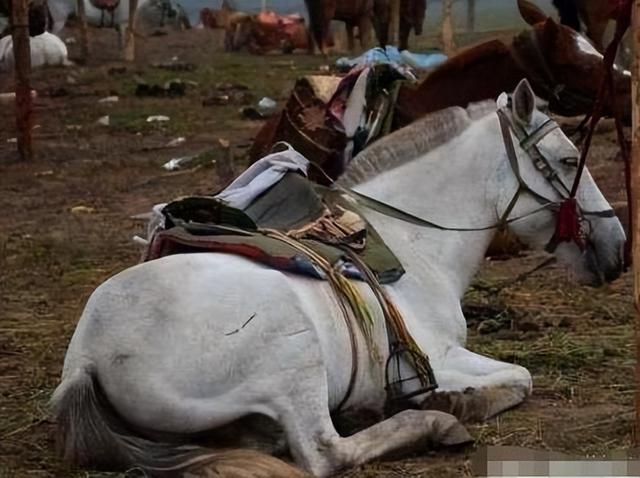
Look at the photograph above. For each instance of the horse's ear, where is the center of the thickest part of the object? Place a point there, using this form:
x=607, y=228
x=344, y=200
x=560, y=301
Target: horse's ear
x=531, y=13
x=551, y=28
x=524, y=102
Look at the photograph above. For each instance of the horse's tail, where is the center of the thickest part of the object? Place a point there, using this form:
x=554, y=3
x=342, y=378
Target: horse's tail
x=92, y=435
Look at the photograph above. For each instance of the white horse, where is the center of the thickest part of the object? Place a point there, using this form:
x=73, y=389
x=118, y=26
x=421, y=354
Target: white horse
x=46, y=50
x=151, y=12
x=175, y=348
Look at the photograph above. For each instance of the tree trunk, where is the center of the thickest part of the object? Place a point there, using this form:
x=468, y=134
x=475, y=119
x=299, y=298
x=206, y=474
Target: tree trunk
x=84, y=31
x=635, y=191
x=22, y=72
x=471, y=15
x=129, y=38
x=448, y=44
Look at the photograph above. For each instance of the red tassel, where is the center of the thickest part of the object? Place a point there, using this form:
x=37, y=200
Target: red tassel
x=568, y=226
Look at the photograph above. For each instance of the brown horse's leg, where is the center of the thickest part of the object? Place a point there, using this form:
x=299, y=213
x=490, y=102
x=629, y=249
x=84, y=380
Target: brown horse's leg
x=364, y=28
x=405, y=29
x=351, y=42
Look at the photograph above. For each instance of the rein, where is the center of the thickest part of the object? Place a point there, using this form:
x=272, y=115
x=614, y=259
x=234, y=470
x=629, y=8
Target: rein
x=568, y=227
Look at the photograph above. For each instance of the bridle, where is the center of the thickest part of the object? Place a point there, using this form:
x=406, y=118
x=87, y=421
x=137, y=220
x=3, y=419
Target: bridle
x=569, y=214
x=530, y=57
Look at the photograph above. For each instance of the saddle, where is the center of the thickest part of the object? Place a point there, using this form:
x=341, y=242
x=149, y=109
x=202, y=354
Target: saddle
x=315, y=120
x=319, y=218
x=286, y=222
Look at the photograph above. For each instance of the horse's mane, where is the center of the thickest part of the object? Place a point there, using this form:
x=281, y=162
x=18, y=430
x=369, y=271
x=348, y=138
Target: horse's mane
x=469, y=58
x=413, y=141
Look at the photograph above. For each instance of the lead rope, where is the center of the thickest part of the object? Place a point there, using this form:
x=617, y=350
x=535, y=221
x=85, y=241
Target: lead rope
x=568, y=224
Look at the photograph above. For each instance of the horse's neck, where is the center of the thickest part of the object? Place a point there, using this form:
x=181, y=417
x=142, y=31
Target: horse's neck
x=481, y=73
x=453, y=186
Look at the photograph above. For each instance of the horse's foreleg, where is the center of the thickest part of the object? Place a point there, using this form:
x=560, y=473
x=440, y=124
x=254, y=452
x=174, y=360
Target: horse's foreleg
x=475, y=388
x=316, y=445
x=364, y=28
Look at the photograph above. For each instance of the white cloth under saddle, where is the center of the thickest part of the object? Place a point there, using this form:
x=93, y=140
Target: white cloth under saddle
x=261, y=175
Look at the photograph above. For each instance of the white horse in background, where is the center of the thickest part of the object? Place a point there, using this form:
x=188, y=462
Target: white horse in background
x=46, y=50
x=168, y=351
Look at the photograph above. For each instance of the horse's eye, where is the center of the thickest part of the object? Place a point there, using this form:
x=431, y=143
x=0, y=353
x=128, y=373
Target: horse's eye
x=571, y=162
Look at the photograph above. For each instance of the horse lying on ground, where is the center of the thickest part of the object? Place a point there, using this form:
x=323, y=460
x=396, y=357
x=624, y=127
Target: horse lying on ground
x=170, y=350
x=46, y=50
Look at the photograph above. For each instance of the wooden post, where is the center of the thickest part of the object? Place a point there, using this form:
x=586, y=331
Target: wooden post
x=129, y=38
x=84, y=31
x=22, y=72
x=448, y=44
x=471, y=15
x=394, y=22
x=635, y=194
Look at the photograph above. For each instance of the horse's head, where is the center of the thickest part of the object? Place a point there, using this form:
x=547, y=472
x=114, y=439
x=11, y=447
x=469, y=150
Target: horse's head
x=547, y=165
x=565, y=66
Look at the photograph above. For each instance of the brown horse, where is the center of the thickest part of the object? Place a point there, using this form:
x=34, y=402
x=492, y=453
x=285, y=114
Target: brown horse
x=412, y=13
x=354, y=13
x=595, y=14
x=560, y=64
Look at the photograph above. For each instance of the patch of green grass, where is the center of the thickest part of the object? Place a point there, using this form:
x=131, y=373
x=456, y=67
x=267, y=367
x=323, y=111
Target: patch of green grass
x=551, y=353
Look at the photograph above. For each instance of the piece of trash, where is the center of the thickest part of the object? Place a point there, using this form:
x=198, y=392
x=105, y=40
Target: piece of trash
x=103, y=120
x=48, y=172
x=217, y=100
x=10, y=97
x=12, y=140
x=175, y=142
x=172, y=88
x=70, y=41
x=177, y=163
x=157, y=118
x=267, y=106
x=109, y=99
x=225, y=143
x=82, y=210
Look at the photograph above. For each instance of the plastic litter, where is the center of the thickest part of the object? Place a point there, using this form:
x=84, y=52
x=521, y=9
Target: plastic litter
x=176, y=142
x=178, y=163
x=109, y=99
x=104, y=120
x=157, y=119
x=267, y=106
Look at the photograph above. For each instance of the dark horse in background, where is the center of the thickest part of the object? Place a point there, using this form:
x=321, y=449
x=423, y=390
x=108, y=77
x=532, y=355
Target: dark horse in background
x=595, y=14
x=39, y=17
x=555, y=59
x=354, y=13
x=560, y=64
x=364, y=15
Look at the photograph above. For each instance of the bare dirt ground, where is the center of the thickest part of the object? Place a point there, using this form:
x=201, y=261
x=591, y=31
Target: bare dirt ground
x=65, y=227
